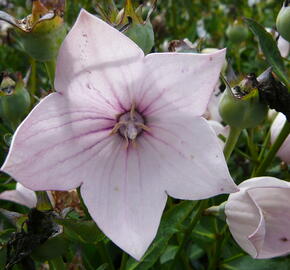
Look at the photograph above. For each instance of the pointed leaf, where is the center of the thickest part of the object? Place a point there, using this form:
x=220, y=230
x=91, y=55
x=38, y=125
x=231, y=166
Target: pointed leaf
x=270, y=49
x=85, y=231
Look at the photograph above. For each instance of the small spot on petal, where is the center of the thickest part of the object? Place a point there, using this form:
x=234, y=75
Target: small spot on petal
x=116, y=189
x=222, y=189
x=284, y=239
x=191, y=157
x=210, y=58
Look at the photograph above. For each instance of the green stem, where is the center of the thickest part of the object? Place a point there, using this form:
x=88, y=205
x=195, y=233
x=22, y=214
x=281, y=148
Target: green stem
x=50, y=69
x=262, y=152
x=32, y=78
x=231, y=141
x=273, y=150
x=124, y=261
x=43, y=201
x=188, y=232
x=84, y=208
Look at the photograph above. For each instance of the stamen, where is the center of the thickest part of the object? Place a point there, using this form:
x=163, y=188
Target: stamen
x=130, y=125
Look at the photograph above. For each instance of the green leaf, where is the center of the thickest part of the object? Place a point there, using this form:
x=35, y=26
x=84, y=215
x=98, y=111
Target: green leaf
x=168, y=227
x=270, y=49
x=85, y=231
x=249, y=263
x=50, y=249
x=169, y=254
x=5, y=236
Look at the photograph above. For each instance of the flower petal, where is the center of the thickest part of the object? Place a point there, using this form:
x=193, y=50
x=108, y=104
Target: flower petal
x=125, y=197
x=178, y=81
x=243, y=218
x=274, y=203
x=20, y=195
x=284, y=151
x=248, y=216
x=191, y=161
x=98, y=61
x=54, y=142
x=283, y=46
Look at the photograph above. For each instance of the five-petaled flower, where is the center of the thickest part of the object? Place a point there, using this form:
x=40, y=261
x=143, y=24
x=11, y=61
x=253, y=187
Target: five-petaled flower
x=125, y=127
x=259, y=217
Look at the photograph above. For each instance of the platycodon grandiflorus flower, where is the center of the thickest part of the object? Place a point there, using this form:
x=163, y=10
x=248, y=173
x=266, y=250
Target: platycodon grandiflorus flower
x=259, y=217
x=125, y=127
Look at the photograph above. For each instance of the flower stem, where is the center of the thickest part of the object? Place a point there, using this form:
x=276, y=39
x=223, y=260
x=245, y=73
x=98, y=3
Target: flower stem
x=84, y=208
x=50, y=69
x=124, y=261
x=273, y=150
x=32, y=78
x=187, y=234
x=231, y=141
x=43, y=201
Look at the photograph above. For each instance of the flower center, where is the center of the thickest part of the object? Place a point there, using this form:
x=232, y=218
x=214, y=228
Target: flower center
x=130, y=125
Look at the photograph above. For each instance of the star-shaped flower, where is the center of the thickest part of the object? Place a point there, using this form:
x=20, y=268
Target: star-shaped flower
x=125, y=127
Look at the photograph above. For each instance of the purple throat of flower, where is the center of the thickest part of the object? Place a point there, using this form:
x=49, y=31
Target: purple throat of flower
x=130, y=125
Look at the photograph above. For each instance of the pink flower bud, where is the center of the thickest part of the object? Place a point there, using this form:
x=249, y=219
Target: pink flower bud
x=258, y=217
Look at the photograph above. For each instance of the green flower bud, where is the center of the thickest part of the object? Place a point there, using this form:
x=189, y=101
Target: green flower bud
x=14, y=101
x=129, y=20
x=142, y=35
x=237, y=32
x=283, y=23
x=40, y=33
x=240, y=106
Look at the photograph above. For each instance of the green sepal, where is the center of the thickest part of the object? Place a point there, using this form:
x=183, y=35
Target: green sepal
x=14, y=102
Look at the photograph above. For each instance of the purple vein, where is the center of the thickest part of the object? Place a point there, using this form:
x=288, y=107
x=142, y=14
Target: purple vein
x=165, y=143
x=89, y=158
x=168, y=104
x=154, y=100
x=65, y=124
x=60, y=115
x=83, y=151
x=72, y=139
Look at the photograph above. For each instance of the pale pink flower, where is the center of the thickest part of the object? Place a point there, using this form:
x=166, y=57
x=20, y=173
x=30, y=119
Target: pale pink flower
x=126, y=128
x=259, y=217
x=277, y=125
x=21, y=195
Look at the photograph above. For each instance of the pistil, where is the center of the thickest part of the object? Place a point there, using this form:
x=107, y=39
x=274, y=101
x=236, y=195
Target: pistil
x=130, y=125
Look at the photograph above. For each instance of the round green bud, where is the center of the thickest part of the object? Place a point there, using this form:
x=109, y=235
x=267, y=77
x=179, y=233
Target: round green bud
x=242, y=112
x=142, y=35
x=43, y=41
x=283, y=23
x=237, y=33
x=14, y=102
